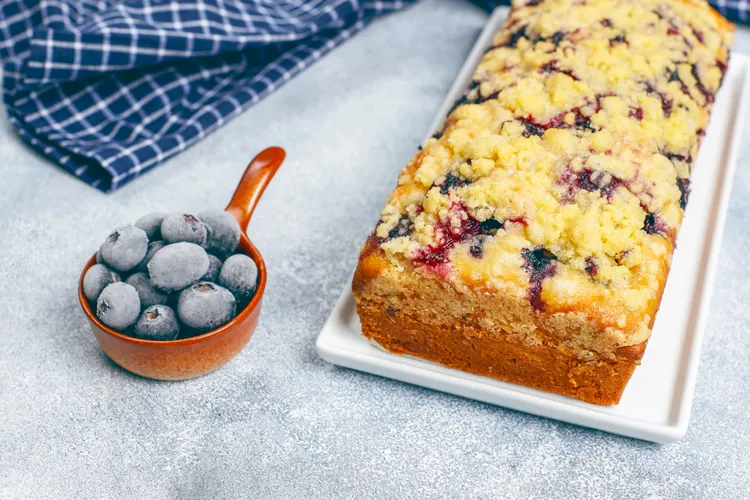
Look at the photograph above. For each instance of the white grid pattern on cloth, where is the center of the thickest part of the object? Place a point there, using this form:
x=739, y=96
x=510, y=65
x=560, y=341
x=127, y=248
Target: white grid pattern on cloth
x=108, y=89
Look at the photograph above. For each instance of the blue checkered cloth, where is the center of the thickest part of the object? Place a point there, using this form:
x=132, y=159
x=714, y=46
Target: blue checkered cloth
x=109, y=88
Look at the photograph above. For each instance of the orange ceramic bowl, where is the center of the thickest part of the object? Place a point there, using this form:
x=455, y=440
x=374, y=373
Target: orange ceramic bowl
x=195, y=356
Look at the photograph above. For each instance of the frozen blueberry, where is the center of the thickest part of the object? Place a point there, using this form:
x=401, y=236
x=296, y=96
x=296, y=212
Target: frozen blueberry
x=239, y=275
x=214, y=267
x=178, y=266
x=147, y=292
x=151, y=224
x=124, y=248
x=223, y=233
x=158, y=322
x=153, y=247
x=99, y=259
x=96, y=279
x=178, y=227
x=205, y=306
x=118, y=306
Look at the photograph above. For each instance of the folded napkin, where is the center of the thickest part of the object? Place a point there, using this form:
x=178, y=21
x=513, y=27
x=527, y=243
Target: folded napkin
x=110, y=88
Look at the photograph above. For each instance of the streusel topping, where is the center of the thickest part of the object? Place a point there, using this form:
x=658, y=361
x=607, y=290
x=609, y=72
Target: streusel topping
x=565, y=166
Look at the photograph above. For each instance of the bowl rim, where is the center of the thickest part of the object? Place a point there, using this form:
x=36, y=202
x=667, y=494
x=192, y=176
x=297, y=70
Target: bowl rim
x=250, y=250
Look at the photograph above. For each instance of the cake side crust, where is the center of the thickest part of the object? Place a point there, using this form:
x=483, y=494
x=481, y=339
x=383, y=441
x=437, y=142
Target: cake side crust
x=437, y=302
x=547, y=365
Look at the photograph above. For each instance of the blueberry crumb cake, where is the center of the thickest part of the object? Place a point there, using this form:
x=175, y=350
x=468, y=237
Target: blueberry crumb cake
x=530, y=239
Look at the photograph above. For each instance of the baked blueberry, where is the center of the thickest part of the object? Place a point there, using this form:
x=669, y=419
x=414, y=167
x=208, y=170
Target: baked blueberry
x=205, y=306
x=153, y=247
x=239, y=275
x=151, y=224
x=147, y=292
x=96, y=279
x=158, y=322
x=452, y=181
x=223, y=233
x=214, y=267
x=124, y=248
x=541, y=264
x=177, y=266
x=178, y=227
x=118, y=306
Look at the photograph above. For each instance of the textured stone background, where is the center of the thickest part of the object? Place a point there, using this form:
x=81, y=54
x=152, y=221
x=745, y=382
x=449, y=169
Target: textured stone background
x=278, y=422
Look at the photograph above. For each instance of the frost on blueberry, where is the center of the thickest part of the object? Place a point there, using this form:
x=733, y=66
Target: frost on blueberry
x=147, y=292
x=205, y=306
x=158, y=322
x=239, y=275
x=124, y=248
x=177, y=266
x=118, y=306
x=151, y=225
x=214, y=267
x=96, y=279
x=177, y=227
x=223, y=233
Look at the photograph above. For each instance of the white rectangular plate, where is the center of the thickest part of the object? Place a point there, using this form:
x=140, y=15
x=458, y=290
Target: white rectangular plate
x=656, y=404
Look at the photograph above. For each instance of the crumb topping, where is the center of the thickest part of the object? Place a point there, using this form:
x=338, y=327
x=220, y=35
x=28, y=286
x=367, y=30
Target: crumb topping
x=565, y=165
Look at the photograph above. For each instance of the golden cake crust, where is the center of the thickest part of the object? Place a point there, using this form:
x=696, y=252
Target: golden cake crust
x=544, y=214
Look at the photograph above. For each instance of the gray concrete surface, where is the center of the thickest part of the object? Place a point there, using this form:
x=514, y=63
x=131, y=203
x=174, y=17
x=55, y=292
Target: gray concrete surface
x=278, y=422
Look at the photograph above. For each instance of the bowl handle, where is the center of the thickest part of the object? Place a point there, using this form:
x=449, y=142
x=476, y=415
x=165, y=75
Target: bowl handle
x=257, y=175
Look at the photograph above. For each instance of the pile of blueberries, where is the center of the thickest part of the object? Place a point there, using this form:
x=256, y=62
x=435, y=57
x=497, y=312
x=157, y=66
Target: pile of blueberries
x=171, y=275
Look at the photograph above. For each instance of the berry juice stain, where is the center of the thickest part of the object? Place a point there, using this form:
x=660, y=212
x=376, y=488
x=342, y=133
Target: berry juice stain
x=684, y=185
x=592, y=268
x=463, y=100
x=678, y=157
x=515, y=37
x=636, y=113
x=554, y=67
x=697, y=33
x=581, y=121
x=674, y=76
x=701, y=87
x=530, y=128
x=653, y=224
x=722, y=67
x=591, y=181
x=556, y=38
x=666, y=102
x=541, y=264
x=436, y=257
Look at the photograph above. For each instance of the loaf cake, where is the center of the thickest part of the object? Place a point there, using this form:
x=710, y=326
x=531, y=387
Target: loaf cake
x=530, y=239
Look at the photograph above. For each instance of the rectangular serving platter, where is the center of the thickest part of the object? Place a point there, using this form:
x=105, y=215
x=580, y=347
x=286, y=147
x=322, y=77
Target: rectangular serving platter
x=657, y=402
